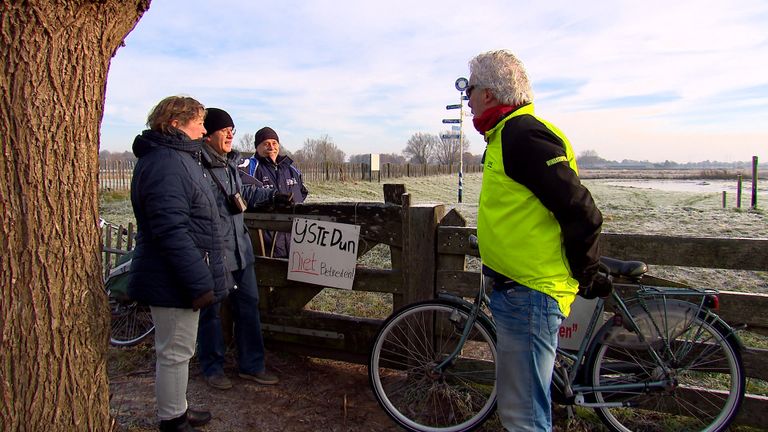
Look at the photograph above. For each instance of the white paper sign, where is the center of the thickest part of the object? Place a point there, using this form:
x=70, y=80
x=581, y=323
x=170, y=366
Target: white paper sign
x=323, y=253
x=574, y=328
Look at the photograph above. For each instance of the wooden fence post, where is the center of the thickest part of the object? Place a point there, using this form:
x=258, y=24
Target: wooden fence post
x=419, y=258
x=754, y=182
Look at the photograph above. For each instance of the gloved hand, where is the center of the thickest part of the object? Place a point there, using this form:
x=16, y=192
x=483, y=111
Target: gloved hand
x=282, y=200
x=203, y=301
x=601, y=286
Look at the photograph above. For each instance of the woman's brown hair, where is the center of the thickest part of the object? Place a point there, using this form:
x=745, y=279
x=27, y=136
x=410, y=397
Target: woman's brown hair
x=181, y=108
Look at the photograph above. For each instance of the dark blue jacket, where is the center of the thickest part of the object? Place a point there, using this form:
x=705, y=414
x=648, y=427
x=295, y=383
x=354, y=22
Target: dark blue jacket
x=179, y=252
x=282, y=176
x=237, y=242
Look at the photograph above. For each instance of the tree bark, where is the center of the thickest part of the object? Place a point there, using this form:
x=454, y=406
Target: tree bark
x=54, y=319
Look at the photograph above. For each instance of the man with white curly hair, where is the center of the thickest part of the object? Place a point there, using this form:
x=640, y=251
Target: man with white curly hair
x=538, y=229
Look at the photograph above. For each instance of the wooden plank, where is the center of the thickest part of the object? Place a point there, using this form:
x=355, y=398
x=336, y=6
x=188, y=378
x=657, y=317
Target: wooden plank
x=379, y=222
x=273, y=272
x=459, y=282
x=393, y=193
x=419, y=252
x=754, y=411
x=452, y=261
x=291, y=333
x=455, y=240
x=755, y=360
x=744, y=308
x=723, y=253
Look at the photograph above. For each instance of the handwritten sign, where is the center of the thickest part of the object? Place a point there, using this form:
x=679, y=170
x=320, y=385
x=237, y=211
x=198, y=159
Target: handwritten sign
x=323, y=253
x=574, y=328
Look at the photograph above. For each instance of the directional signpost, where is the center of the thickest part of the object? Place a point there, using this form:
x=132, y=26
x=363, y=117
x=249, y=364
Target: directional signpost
x=461, y=85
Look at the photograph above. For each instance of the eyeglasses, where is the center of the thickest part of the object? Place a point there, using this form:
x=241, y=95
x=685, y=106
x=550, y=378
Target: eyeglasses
x=469, y=90
x=228, y=131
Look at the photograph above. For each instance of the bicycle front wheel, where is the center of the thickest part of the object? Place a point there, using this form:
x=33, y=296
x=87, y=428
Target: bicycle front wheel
x=131, y=323
x=698, y=385
x=403, y=374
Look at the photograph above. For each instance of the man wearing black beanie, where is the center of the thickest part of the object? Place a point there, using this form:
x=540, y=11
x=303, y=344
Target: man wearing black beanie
x=274, y=172
x=232, y=199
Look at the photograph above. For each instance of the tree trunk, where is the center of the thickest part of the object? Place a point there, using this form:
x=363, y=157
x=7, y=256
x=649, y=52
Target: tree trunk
x=54, y=319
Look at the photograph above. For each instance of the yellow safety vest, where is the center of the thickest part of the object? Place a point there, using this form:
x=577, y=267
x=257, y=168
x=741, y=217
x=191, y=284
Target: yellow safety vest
x=519, y=237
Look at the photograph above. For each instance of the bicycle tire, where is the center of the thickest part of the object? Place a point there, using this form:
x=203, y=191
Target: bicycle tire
x=705, y=360
x=401, y=368
x=131, y=323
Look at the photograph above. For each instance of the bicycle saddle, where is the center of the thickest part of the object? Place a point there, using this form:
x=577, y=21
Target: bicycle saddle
x=618, y=267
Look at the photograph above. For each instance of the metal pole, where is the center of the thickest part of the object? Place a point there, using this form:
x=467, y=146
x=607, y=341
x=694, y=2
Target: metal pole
x=738, y=191
x=461, y=145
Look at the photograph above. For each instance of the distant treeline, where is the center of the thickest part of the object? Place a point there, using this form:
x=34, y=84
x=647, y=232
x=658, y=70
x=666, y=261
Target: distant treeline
x=590, y=160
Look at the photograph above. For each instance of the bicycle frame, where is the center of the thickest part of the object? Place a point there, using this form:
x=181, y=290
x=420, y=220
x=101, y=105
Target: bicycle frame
x=476, y=309
x=566, y=377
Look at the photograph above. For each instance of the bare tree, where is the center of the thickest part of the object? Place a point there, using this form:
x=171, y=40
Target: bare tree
x=447, y=150
x=420, y=147
x=392, y=158
x=319, y=150
x=54, y=318
x=245, y=144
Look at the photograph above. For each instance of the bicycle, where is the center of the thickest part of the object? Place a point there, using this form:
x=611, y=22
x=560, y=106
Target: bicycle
x=131, y=322
x=663, y=359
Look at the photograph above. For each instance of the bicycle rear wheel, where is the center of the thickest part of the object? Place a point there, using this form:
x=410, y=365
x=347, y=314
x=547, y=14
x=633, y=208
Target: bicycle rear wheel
x=704, y=382
x=402, y=368
x=131, y=323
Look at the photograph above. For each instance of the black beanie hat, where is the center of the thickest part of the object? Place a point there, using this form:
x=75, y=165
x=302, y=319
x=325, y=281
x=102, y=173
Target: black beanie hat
x=216, y=119
x=265, y=133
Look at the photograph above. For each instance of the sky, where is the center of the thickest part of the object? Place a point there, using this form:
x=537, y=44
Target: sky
x=683, y=80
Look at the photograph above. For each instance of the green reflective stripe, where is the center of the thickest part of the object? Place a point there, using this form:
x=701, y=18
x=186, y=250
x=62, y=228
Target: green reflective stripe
x=556, y=160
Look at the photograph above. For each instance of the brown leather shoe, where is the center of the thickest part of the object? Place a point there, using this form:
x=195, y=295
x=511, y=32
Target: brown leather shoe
x=179, y=424
x=198, y=418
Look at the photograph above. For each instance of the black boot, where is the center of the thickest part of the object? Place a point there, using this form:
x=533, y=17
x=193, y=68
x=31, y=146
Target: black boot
x=198, y=418
x=179, y=424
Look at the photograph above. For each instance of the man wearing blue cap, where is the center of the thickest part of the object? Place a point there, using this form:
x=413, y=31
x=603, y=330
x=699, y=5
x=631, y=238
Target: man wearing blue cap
x=274, y=171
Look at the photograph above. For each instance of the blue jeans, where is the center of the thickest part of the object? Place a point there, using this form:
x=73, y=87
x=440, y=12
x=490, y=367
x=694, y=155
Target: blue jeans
x=244, y=302
x=527, y=322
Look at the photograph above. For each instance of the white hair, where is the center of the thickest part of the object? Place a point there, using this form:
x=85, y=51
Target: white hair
x=503, y=74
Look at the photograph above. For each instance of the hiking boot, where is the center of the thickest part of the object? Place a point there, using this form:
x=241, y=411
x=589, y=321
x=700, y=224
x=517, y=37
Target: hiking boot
x=260, y=377
x=219, y=381
x=198, y=418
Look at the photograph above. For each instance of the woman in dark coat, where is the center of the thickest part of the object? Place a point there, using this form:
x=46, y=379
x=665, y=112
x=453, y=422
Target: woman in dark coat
x=178, y=266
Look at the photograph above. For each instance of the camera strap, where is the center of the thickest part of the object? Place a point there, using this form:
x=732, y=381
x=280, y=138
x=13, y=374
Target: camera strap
x=221, y=186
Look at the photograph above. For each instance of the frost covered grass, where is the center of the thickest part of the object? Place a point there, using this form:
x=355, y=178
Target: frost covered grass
x=627, y=207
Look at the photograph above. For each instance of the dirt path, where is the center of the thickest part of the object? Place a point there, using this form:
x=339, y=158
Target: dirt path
x=313, y=395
